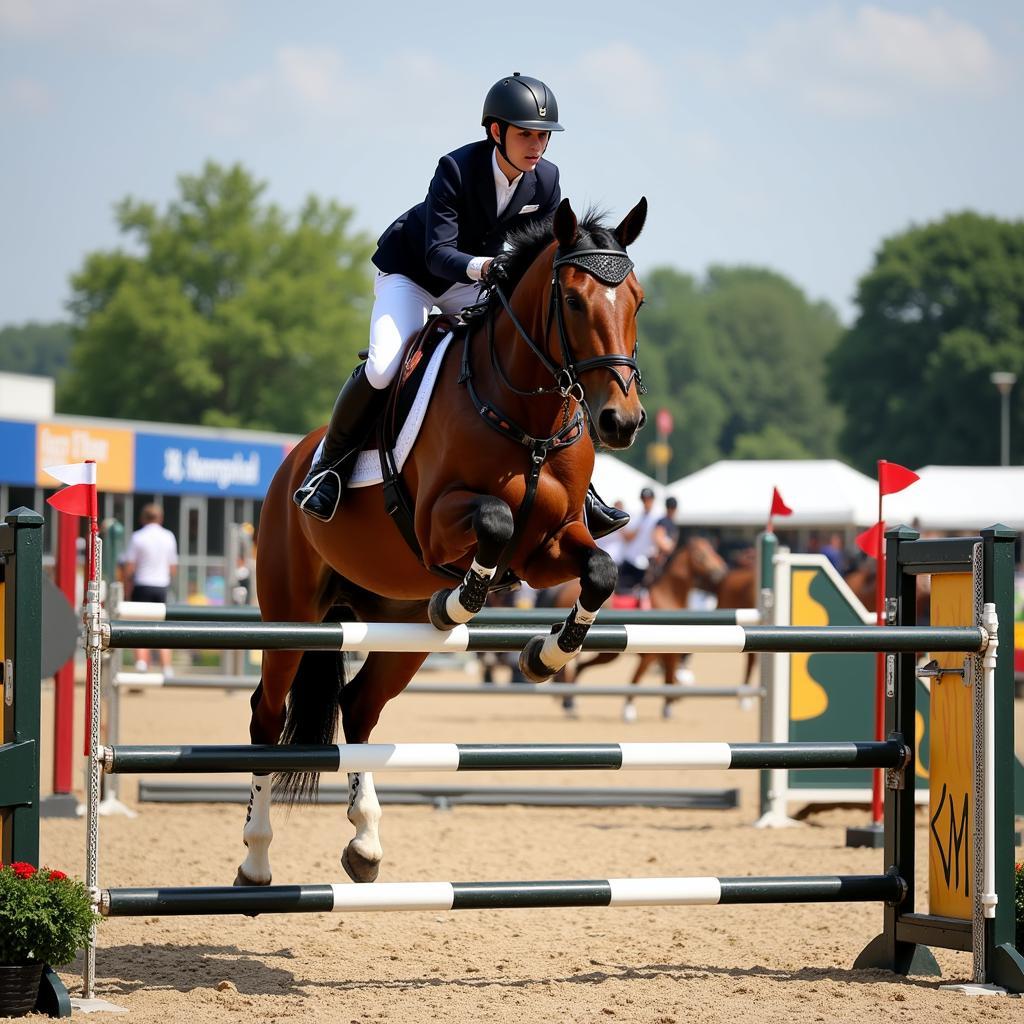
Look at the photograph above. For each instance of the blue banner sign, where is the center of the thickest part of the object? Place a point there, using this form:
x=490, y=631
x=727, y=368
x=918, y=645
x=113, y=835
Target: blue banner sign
x=18, y=454
x=169, y=464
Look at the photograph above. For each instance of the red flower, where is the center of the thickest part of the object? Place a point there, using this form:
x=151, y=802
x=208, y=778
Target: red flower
x=56, y=876
x=22, y=869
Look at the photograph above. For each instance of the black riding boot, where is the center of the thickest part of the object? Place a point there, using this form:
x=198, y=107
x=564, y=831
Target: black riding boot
x=602, y=519
x=355, y=414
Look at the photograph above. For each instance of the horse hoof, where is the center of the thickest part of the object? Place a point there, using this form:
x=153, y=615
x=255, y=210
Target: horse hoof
x=666, y=710
x=530, y=664
x=242, y=879
x=359, y=868
x=437, y=611
x=629, y=712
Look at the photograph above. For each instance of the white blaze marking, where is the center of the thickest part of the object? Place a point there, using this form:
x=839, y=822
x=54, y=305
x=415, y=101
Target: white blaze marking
x=610, y=293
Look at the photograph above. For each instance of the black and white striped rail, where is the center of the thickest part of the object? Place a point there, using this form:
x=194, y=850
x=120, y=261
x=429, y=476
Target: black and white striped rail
x=435, y=896
x=155, y=680
x=461, y=757
x=630, y=639
x=143, y=611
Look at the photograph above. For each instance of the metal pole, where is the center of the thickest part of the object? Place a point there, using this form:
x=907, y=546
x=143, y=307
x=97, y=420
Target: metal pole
x=1004, y=382
x=95, y=653
x=1005, y=434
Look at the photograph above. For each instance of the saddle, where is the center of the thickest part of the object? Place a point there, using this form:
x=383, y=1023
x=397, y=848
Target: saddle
x=397, y=502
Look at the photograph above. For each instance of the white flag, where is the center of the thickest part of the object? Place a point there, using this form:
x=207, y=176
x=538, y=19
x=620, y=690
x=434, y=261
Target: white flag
x=74, y=473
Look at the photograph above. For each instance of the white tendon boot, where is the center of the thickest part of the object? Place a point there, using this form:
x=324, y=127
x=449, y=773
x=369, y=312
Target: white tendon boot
x=257, y=834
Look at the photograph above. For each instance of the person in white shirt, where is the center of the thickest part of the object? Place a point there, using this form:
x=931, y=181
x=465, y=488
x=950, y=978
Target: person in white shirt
x=638, y=547
x=151, y=563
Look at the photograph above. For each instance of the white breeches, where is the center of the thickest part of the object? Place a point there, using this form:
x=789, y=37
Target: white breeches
x=401, y=308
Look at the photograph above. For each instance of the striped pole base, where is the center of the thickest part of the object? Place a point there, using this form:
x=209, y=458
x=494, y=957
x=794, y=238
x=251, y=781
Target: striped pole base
x=458, y=757
x=634, y=639
x=614, y=892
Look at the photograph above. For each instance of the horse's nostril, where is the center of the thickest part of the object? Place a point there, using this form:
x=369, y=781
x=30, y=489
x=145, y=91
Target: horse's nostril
x=643, y=419
x=609, y=421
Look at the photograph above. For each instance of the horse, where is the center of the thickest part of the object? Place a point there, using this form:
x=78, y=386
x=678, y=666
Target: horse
x=495, y=482
x=862, y=579
x=693, y=563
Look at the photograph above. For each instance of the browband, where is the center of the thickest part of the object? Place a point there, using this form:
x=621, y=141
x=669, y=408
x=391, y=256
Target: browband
x=609, y=266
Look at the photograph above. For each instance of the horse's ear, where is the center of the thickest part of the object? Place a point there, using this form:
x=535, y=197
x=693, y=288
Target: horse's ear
x=632, y=224
x=565, y=226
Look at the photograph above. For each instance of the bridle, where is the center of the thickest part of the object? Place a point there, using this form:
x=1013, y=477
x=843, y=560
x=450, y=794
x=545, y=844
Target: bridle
x=610, y=267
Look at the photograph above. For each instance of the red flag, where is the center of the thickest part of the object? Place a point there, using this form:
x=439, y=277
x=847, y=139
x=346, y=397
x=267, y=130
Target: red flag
x=892, y=477
x=76, y=500
x=779, y=507
x=870, y=541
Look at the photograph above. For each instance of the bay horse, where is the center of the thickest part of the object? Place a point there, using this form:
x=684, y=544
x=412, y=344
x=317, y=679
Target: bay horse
x=497, y=479
x=693, y=564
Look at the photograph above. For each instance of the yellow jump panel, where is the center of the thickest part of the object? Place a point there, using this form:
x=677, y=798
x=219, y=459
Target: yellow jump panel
x=950, y=810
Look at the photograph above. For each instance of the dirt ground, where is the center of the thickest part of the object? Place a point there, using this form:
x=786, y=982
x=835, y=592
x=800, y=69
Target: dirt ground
x=733, y=964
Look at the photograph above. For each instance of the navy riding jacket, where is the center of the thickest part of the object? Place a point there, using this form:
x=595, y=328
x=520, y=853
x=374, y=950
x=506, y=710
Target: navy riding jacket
x=434, y=241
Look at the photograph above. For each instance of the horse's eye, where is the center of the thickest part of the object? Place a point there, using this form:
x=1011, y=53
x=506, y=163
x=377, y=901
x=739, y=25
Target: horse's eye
x=573, y=302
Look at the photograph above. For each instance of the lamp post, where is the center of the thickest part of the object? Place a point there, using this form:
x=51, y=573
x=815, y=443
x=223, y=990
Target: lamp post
x=1004, y=382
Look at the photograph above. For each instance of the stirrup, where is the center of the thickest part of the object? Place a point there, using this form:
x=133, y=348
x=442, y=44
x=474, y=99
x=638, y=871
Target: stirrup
x=311, y=488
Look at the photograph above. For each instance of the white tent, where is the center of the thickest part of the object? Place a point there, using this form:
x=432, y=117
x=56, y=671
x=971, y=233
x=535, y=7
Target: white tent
x=960, y=498
x=821, y=493
x=615, y=481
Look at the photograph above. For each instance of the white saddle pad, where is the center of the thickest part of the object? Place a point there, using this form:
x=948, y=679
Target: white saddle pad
x=367, y=471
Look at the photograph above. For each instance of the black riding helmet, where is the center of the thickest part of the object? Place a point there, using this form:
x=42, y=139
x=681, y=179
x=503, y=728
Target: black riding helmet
x=523, y=102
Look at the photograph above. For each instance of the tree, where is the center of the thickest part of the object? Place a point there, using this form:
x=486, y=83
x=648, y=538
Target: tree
x=34, y=348
x=233, y=313
x=738, y=360
x=942, y=307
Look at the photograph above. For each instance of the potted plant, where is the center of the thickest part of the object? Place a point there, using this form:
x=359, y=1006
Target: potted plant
x=45, y=918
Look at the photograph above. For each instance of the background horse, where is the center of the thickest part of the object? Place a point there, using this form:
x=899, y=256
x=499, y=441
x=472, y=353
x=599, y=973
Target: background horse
x=861, y=580
x=538, y=377
x=693, y=564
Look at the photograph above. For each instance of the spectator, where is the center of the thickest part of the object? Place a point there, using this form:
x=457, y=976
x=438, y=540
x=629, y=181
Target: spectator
x=639, y=543
x=832, y=549
x=666, y=532
x=151, y=563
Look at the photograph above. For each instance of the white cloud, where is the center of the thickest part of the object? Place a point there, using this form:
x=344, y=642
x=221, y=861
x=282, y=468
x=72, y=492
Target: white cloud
x=313, y=87
x=25, y=96
x=314, y=77
x=178, y=26
x=863, y=61
x=622, y=81
x=701, y=148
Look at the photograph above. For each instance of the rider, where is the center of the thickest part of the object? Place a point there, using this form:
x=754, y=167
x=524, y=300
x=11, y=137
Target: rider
x=436, y=254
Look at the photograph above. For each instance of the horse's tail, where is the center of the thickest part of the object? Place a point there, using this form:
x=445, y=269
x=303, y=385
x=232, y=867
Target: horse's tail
x=311, y=718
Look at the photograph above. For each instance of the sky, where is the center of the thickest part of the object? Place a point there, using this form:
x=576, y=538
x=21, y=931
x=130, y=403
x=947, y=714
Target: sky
x=796, y=134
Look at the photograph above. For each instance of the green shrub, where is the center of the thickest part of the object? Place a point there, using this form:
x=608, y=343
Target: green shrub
x=44, y=915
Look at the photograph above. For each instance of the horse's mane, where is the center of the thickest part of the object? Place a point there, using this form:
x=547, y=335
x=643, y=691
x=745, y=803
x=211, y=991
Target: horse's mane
x=524, y=244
